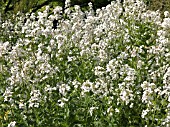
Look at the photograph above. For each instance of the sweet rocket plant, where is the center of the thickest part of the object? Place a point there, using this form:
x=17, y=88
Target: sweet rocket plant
x=109, y=67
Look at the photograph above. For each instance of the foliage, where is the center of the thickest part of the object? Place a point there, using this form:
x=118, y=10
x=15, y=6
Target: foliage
x=37, y=5
x=163, y=5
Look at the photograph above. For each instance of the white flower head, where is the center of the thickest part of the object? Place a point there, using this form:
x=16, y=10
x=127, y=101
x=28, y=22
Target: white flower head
x=64, y=88
x=67, y=3
x=144, y=113
x=62, y=101
x=91, y=110
x=166, y=14
x=145, y=84
x=35, y=99
x=57, y=10
x=12, y=124
x=117, y=110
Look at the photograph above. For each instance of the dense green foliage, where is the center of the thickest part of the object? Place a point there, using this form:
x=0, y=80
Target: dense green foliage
x=34, y=5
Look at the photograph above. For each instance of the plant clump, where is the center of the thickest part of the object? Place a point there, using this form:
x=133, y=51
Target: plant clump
x=109, y=67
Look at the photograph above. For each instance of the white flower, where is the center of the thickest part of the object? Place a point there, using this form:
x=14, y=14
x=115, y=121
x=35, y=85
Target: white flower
x=76, y=84
x=69, y=58
x=49, y=89
x=166, y=23
x=12, y=124
x=86, y=86
x=8, y=94
x=67, y=3
x=145, y=84
x=140, y=63
x=166, y=14
x=35, y=99
x=131, y=105
x=126, y=95
x=49, y=49
x=117, y=110
x=144, y=113
x=91, y=110
x=62, y=101
x=169, y=98
x=57, y=10
x=99, y=70
x=109, y=111
x=64, y=88
x=22, y=104
x=166, y=77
